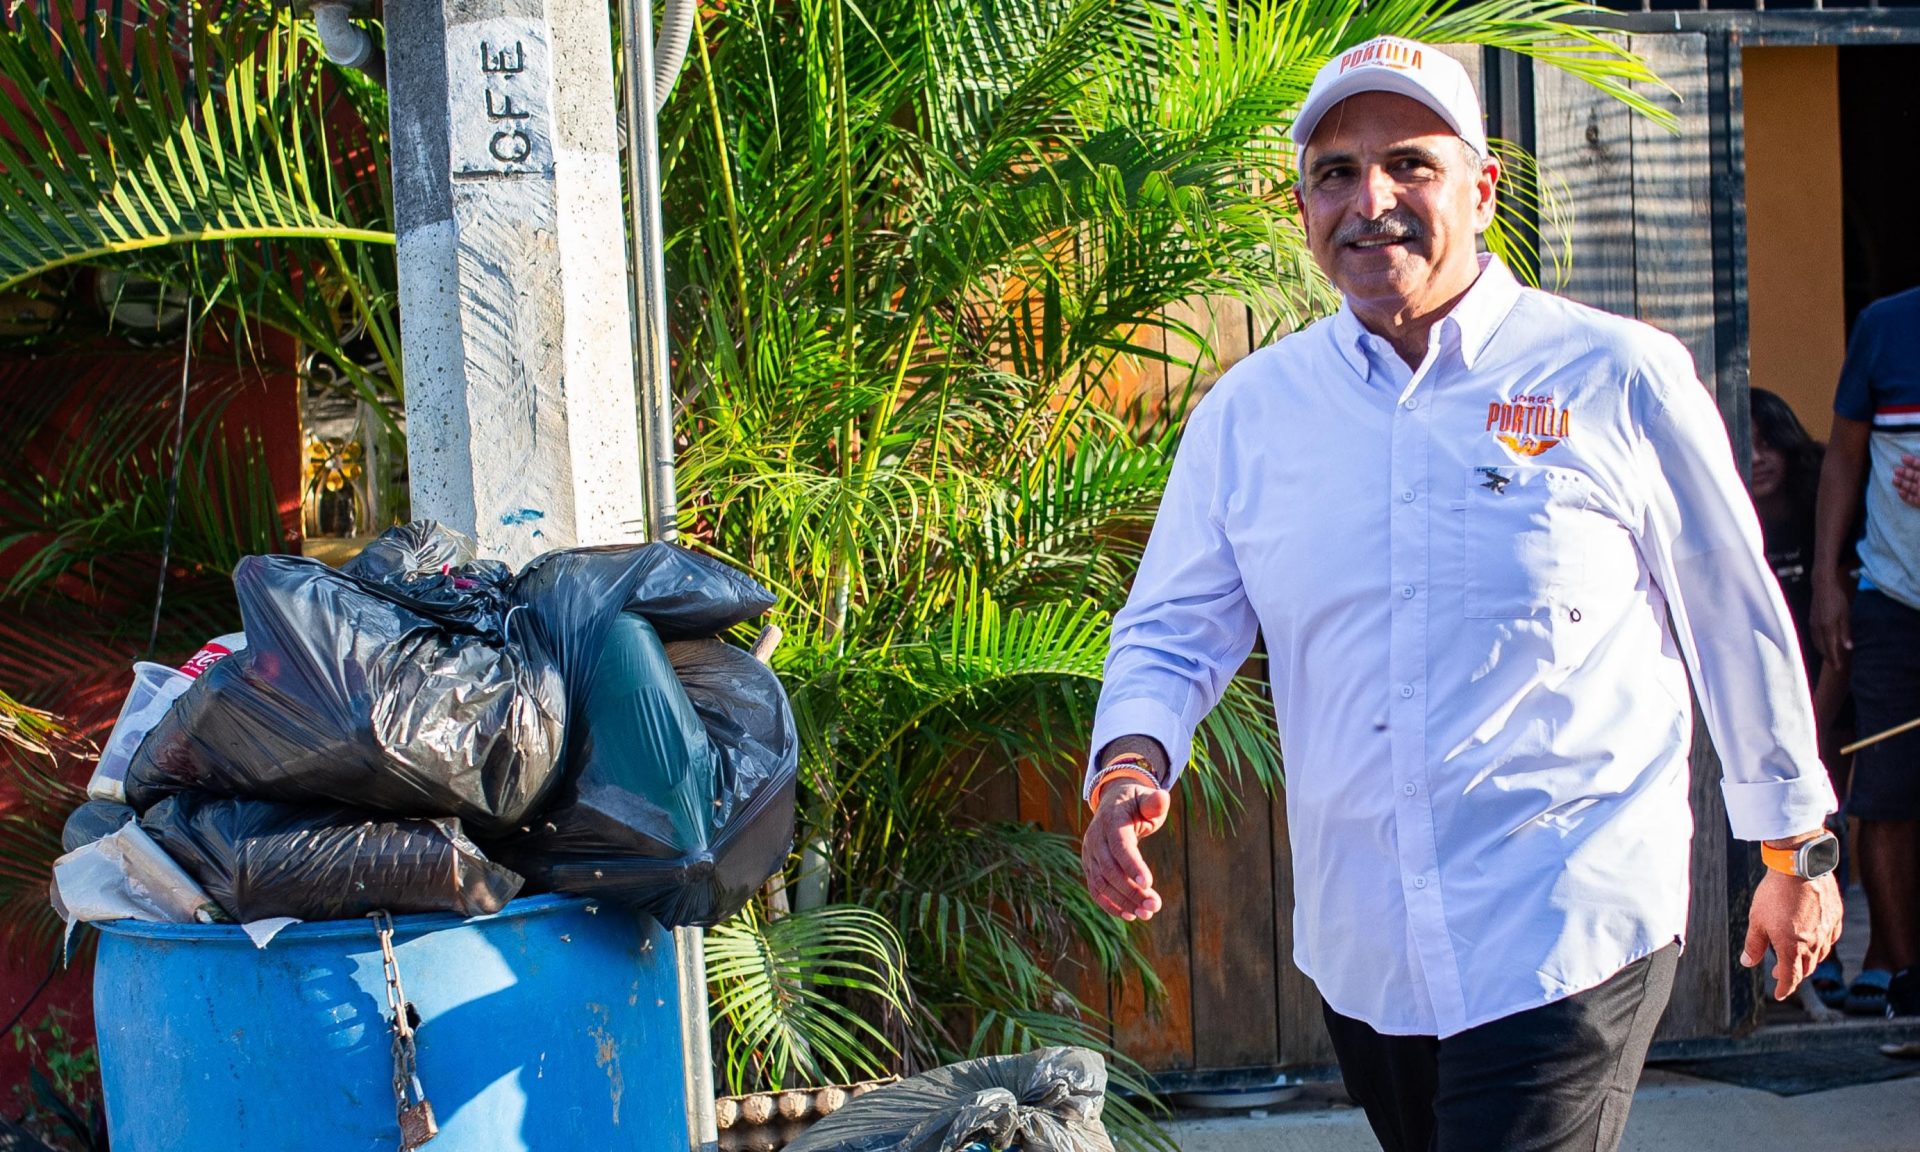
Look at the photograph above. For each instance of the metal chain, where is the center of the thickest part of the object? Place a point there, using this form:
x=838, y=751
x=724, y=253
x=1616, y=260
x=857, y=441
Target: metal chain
x=411, y=1108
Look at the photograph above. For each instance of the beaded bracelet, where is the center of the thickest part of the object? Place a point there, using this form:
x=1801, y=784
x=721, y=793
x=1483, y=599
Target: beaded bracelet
x=1126, y=766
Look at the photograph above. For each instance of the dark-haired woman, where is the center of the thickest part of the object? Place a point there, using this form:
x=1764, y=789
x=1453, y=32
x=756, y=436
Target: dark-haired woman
x=1784, y=481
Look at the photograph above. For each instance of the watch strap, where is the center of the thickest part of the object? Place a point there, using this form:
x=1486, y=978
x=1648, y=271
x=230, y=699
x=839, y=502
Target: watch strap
x=1792, y=860
x=1781, y=859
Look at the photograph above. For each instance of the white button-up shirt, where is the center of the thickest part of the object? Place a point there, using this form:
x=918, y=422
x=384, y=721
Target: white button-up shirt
x=1464, y=574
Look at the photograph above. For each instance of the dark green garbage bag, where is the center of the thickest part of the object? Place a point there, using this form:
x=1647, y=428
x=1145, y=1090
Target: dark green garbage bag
x=679, y=798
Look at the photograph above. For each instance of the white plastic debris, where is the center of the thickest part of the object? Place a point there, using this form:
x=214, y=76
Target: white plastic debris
x=124, y=876
x=155, y=688
x=262, y=931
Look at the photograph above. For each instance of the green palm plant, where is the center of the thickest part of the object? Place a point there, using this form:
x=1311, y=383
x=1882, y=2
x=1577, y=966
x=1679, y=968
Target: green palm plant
x=210, y=147
x=917, y=245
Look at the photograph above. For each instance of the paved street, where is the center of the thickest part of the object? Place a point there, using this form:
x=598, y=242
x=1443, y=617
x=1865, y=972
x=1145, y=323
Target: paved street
x=1671, y=1113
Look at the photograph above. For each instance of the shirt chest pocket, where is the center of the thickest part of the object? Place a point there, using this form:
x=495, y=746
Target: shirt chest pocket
x=1525, y=546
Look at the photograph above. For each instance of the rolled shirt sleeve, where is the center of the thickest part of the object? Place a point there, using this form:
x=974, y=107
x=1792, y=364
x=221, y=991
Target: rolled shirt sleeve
x=1187, y=625
x=1700, y=539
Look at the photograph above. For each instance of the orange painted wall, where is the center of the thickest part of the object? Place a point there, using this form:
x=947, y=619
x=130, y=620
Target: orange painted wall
x=1795, y=304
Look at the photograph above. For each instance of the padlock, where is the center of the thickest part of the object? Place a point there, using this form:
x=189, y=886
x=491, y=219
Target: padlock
x=417, y=1125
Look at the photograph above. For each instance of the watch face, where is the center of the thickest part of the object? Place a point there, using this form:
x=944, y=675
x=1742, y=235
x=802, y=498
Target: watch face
x=1819, y=857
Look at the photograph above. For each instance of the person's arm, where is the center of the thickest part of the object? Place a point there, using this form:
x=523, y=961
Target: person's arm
x=1836, y=508
x=1843, y=478
x=1185, y=630
x=1701, y=541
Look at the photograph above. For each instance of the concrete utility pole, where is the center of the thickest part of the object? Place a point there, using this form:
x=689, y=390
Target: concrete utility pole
x=516, y=314
x=514, y=306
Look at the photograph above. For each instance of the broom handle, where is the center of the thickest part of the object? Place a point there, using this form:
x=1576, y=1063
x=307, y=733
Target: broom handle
x=1879, y=736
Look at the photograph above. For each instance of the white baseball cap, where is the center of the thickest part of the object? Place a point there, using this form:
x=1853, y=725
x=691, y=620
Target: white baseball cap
x=1407, y=67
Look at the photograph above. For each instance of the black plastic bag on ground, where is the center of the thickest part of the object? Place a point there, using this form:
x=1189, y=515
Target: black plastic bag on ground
x=345, y=695
x=259, y=859
x=1045, y=1101
x=683, y=804
x=90, y=822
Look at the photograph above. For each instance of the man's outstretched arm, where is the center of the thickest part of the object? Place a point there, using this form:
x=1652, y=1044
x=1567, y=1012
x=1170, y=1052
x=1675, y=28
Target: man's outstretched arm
x=1183, y=634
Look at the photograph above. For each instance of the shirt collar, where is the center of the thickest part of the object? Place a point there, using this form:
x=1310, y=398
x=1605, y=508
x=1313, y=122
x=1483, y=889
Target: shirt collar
x=1473, y=320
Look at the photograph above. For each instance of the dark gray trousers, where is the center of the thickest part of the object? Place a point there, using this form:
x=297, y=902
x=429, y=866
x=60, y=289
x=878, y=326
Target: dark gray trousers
x=1558, y=1078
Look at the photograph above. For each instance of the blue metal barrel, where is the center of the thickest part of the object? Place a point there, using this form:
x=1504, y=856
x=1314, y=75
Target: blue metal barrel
x=551, y=1027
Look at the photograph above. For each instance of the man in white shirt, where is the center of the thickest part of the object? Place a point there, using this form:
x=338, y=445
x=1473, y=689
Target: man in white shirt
x=1461, y=512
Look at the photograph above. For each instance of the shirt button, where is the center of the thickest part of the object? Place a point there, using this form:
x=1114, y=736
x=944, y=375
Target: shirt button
x=1406, y=593
x=1407, y=496
x=1419, y=881
x=1408, y=789
x=1406, y=691
x=1411, y=402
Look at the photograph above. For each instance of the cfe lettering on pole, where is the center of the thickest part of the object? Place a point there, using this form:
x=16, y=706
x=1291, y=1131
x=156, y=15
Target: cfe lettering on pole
x=500, y=123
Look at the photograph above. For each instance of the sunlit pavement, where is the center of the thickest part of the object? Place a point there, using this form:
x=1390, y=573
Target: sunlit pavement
x=1671, y=1113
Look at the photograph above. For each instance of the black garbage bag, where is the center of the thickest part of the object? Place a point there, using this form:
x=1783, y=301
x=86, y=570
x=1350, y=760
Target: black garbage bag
x=258, y=858
x=1048, y=1100
x=91, y=821
x=432, y=569
x=574, y=594
x=346, y=695
x=684, y=800
x=409, y=551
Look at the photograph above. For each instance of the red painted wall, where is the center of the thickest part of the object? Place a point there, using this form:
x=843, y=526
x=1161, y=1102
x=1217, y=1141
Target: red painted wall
x=258, y=400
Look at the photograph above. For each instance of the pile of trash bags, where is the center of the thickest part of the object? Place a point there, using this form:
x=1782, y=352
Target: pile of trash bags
x=422, y=730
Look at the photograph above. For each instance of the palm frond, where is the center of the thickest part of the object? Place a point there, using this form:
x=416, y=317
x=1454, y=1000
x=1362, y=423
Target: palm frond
x=41, y=780
x=158, y=152
x=785, y=990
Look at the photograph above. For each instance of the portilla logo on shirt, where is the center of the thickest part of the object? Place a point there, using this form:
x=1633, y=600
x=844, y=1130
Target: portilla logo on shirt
x=1528, y=425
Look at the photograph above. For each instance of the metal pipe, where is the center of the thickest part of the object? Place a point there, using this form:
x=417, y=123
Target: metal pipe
x=652, y=365
x=654, y=385
x=696, y=1038
x=346, y=43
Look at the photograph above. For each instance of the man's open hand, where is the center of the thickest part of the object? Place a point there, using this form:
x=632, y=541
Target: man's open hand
x=1117, y=875
x=1799, y=919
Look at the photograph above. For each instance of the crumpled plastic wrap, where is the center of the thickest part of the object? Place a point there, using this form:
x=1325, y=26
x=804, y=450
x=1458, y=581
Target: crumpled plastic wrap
x=346, y=695
x=259, y=859
x=432, y=569
x=1048, y=1100
x=124, y=875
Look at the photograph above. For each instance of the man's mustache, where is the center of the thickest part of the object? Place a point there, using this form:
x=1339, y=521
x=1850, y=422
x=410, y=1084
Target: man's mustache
x=1394, y=225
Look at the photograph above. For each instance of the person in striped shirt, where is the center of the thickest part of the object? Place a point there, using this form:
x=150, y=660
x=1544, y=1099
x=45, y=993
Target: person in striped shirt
x=1876, y=428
